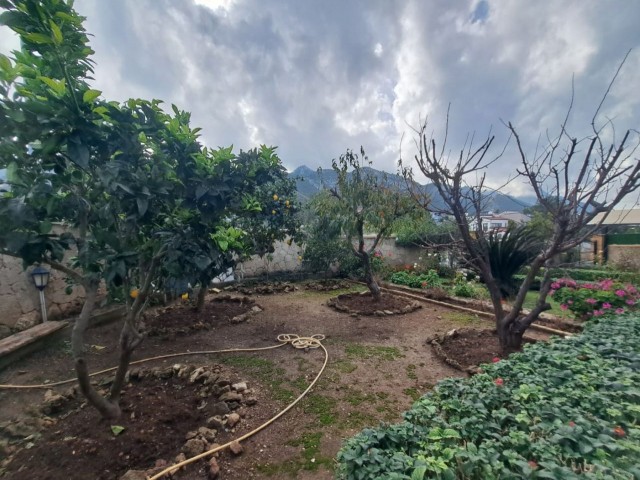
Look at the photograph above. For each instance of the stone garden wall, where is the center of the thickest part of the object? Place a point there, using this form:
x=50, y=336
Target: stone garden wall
x=19, y=299
x=288, y=258
x=20, y=304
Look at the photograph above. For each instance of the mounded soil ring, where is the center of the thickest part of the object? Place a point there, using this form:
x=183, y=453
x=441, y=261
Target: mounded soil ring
x=262, y=288
x=183, y=320
x=159, y=408
x=467, y=348
x=364, y=304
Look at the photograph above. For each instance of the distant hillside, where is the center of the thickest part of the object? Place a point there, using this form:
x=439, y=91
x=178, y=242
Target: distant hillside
x=309, y=182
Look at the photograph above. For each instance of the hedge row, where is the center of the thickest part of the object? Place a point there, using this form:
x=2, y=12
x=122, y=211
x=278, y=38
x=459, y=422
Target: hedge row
x=566, y=409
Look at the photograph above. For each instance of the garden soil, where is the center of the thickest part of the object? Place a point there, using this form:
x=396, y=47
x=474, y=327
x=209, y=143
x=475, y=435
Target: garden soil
x=378, y=366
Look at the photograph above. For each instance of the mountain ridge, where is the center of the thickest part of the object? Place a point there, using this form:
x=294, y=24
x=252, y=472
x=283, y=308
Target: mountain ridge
x=309, y=182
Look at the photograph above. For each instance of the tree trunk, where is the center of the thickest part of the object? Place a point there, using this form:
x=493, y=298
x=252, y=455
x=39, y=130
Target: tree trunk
x=106, y=408
x=510, y=336
x=129, y=340
x=202, y=293
x=374, y=288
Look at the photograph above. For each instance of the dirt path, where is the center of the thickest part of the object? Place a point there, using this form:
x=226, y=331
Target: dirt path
x=377, y=367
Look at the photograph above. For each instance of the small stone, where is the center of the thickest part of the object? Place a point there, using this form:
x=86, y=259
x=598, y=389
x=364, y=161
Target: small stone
x=193, y=447
x=208, y=434
x=215, y=422
x=53, y=402
x=190, y=435
x=220, y=408
x=239, y=387
x=236, y=448
x=223, y=383
x=233, y=419
x=256, y=309
x=379, y=313
x=233, y=405
x=196, y=374
x=231, y=397
x=214, y=469
x=388, y=312
x=250, y=401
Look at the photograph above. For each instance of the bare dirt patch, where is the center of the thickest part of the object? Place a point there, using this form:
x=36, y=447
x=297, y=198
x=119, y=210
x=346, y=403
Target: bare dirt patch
x=182, y=319
x=465, y=349
x=377, y=368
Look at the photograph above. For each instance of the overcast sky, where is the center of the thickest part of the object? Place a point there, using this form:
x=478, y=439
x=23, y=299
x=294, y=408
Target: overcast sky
x=318, y=77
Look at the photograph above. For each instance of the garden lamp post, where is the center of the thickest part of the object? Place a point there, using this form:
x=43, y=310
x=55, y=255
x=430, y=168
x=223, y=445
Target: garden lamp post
x=40, y=277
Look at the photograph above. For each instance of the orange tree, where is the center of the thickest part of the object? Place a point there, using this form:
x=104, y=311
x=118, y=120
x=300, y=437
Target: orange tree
x=128, y=179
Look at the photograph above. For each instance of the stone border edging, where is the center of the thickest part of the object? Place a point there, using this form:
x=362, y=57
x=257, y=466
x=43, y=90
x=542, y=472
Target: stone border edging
x=335, y=304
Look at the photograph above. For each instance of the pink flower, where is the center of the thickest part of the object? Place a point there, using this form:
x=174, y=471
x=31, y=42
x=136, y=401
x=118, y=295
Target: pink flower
x=632, y=289
x=597, y=313
x=570, y=302
x=499, y=382
x=630, y=302
x=606, y=305
x=619, y=310
x=621, y=293
x=591, y=301
x=533, y=465
x=572, y=423
x=563, y=306
x=495, y=359
x=555, y=285
x=551, y=292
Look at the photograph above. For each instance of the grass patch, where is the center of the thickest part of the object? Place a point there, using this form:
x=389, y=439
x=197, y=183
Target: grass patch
x=412, y=392
x=322, y=407
x=356, y=397
x=344, y=366
x=462, y=318
x=359, y=351
x=359, y=419
x=411, y=372
x=532, y=298
x=266, y=372
x=310, y=459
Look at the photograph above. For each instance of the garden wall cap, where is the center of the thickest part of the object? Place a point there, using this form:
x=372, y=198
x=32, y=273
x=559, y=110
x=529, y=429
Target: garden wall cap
x=618, y=217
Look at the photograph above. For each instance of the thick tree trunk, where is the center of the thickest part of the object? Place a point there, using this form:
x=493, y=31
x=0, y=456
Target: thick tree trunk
x=374, y=288
x=106, y=408
x=510, y=333
x=129, y=340
x=202, y=293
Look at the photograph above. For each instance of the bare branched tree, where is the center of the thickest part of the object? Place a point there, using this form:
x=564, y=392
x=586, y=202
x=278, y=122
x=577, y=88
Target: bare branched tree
x=574, y=180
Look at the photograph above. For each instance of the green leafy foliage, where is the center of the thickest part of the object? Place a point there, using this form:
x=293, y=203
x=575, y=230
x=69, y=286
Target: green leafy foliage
x=566, y=409
x=360, y=203
x=411, y=279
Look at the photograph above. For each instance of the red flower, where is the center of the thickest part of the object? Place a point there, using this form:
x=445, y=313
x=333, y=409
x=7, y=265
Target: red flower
x=499, y=382
x=495, y=359
x=533, y=465
x=572, y=423
x=619, y=431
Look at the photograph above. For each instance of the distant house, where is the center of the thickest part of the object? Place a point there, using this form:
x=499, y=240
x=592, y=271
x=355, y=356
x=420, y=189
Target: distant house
x=617, y=241
x=499, y=221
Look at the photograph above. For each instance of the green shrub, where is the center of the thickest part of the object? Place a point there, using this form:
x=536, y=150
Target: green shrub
x=566, y=409
x=414, y=280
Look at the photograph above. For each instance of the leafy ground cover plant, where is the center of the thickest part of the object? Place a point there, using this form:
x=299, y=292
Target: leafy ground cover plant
x=587, y=300
x=566, y=409
x=429, y=279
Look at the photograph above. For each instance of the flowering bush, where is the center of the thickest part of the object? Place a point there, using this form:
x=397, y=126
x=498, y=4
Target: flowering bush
x=594, y=299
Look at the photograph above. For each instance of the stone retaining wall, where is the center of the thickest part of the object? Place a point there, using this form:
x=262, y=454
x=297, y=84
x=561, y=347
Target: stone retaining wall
x=20, y=304
x=20, y=301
